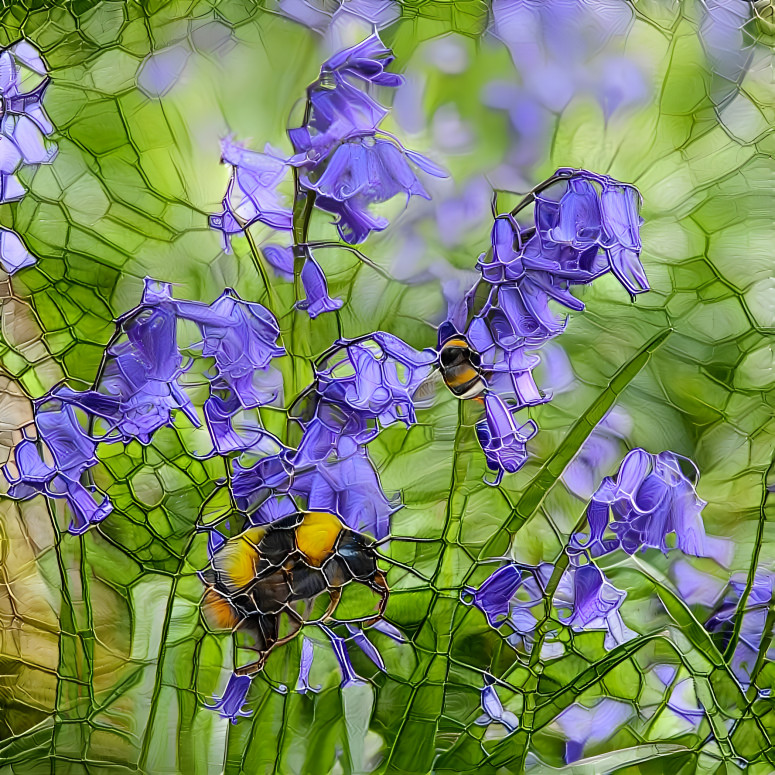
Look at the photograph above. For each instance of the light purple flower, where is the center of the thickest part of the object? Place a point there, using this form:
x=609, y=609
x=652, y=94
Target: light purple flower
x=73, y=452
x=305, y=665
x=649, y=499
x=375, y=377
x=583, y=725
x=251, y=194
x=493, y=708
x=502, y=439
x=230, y=704
x=586, y=600
x=330, y=471
x=13, y=254
x=24, y=122
x=366, y=646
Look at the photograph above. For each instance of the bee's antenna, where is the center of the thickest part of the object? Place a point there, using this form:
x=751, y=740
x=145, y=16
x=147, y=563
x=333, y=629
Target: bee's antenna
x=405, y=567
x=408, y=539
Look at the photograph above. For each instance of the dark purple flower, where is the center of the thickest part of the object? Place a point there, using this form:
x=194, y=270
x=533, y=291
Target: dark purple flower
x=251, y=194
x=361, y=172
x=502, y=439
x=230, y=705
x=494, y=597
x=317, y=299
x=493, y=708
x=650, y=498
x=72, y=451
x=349, y=676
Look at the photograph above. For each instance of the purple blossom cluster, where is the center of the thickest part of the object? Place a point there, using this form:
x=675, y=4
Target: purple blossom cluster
x=24, y=127
x=343, y=164
x=138, y=389
x=583, y=226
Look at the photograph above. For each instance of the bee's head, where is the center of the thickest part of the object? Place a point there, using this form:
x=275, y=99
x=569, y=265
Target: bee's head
x=356, y=552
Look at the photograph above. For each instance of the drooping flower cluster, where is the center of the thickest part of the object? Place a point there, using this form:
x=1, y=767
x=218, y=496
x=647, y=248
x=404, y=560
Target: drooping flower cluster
x=650, y=498
x=584, y=225
x=363, y=386
x=584, y=600
x=138, y=389
x=23, y=129
x=343, y=162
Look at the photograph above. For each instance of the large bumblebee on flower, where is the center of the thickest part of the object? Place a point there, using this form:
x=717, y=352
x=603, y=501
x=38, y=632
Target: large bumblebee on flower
x=265, y=572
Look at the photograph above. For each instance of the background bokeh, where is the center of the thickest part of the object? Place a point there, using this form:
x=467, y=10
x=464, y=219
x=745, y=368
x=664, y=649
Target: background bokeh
x=104, y=662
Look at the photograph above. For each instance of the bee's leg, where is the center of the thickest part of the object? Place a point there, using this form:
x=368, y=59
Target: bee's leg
x=336, y=596
x=379, y=585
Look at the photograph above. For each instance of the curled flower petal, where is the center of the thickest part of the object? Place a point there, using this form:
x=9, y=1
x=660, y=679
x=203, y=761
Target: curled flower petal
x=349, y=676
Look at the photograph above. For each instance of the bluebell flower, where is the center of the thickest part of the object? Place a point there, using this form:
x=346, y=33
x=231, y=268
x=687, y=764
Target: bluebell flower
x=330, y=471
x=139, y=385
x=338, y=108
x=13, y=254
x=502, y=439
x=305, y=665
x=251, y=194
x=495, y=594
x=584, y=600
x=241, y=336
x=376, y=377
x=753, y=624
x=582, y=725
x=349, y=676
x=493, y=708
x=363, y=171
x=317, y=299
x=230, y=704
x=649, y=499
x=24, y=123
x=340, y=153
x=73, y=453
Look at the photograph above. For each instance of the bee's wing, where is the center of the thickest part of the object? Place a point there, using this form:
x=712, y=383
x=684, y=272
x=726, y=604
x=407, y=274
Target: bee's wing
x=426, y=392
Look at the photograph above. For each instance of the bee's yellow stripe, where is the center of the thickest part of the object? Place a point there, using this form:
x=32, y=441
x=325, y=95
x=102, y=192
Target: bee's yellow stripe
x=237, y=562
x=461, y=376
x=316, y=536
x=455, y=343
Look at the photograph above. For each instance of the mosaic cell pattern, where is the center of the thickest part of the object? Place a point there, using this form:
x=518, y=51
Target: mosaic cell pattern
x=107, y=662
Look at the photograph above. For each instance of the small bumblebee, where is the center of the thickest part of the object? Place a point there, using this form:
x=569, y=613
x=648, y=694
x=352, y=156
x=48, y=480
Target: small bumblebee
x=265, y=571
x=461, y=368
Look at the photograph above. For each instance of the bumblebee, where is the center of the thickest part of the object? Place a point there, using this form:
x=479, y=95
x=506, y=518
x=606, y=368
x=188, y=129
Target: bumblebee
x=461, y=368
x=264, y=572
